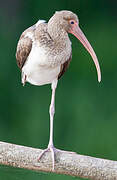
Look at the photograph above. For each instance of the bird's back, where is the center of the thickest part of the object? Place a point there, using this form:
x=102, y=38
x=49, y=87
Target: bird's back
x=25, y=43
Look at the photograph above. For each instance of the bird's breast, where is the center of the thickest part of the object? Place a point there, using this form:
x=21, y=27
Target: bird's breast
x=43, y=65
x=38, y=69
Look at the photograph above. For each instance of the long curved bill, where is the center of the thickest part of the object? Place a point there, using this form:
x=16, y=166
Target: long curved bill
x=77, y=32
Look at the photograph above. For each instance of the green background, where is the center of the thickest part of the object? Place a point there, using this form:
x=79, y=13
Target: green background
x=86, y=111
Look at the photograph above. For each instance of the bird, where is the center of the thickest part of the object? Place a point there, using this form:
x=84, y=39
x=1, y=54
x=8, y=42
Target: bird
x=43, y=54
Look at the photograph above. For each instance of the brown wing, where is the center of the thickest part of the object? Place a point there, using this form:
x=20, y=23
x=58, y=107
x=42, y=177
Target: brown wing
x=64, y=67
x=24, y=47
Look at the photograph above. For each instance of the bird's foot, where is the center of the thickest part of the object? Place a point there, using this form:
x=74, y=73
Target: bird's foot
x=53, y=151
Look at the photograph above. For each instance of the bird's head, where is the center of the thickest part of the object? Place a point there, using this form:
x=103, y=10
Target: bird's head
x=65, y=19
x=69, y=22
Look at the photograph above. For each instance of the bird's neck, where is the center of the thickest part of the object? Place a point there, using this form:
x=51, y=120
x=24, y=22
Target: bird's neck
x=58, y=34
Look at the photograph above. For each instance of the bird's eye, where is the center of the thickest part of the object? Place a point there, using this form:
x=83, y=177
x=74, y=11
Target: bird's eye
x=71, y=22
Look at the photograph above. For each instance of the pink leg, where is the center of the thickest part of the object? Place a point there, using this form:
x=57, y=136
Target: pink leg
x=51, y=147
x=23, y=79
x=51, y=111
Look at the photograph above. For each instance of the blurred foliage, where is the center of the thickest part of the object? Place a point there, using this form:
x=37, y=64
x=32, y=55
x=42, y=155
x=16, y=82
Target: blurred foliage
x=86, y=115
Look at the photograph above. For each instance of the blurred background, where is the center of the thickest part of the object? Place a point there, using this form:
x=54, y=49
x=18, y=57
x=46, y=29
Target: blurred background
x=86, y=111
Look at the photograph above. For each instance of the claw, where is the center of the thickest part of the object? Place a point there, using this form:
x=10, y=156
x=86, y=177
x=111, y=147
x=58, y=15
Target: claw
x=52, y=150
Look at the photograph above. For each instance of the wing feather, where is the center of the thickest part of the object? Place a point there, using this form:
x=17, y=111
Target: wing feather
x=64, y=67
x=24, y=46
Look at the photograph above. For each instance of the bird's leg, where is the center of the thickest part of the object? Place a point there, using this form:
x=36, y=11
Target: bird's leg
x=51, y=147
x=51, y=111
x=23, y=78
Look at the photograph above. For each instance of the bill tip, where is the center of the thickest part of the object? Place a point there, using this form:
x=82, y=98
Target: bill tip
x=99, y=79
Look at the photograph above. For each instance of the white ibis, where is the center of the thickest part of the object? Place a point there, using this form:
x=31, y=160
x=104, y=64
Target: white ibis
x=44, y=53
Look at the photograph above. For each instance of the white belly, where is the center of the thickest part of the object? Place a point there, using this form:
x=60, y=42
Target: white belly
x=37, y=70
x=40, y=76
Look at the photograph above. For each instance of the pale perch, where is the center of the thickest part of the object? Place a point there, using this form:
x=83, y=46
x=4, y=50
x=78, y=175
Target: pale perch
x=71, y=164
